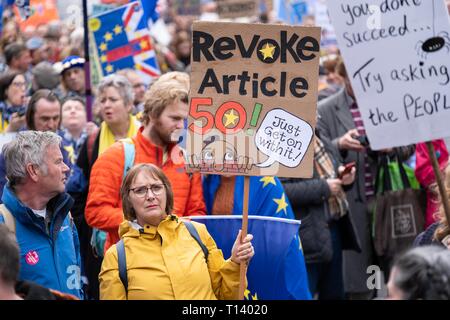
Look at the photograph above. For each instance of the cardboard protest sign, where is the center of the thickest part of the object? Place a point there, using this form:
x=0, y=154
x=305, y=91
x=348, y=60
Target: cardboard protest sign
x=253, y=99
x=237, y=8
x=38, y=12
x=397, y=57
x=187, y=7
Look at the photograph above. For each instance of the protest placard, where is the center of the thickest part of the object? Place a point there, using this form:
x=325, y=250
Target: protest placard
x=237, y=8
x=38, y=12
x=253, y=99
x=397, y=55
x=187, y=7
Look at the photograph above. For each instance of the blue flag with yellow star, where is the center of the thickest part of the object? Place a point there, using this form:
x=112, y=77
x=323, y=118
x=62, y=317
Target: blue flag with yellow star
x=277, y=271
x=122, y=40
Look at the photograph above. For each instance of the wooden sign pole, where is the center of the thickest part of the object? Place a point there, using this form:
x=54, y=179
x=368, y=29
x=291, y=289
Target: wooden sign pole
x=243, y=270
x=439, y=180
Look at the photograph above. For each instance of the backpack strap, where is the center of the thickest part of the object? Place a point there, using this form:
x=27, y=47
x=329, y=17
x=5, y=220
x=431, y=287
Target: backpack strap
x=122, y=260
x=8, y=218
x=129, y=151
x=196, y=236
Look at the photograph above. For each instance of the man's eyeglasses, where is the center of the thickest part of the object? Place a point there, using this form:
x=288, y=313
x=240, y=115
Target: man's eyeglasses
x=157, y=189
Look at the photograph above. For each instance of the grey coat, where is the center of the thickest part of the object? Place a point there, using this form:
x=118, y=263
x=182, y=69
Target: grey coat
x=334, y=120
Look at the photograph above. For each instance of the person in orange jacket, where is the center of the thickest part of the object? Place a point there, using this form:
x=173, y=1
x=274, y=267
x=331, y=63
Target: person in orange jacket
x=165, y=110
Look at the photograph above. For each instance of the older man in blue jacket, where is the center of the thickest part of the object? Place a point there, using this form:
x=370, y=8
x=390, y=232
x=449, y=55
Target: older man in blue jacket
x=37, y=208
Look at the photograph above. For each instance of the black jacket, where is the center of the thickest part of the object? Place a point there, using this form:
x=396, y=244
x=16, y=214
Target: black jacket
x=309, y=200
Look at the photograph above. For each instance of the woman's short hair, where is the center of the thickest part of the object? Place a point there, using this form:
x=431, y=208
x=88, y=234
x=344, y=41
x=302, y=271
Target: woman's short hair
x=5, y=82
x=121, y=84
x=156, y=173
x=169, y=88
x=340, y=68
x=423, y=273
x=74, y=98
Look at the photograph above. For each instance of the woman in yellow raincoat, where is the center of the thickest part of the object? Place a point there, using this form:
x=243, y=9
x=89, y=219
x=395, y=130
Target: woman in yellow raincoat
x=163, y=260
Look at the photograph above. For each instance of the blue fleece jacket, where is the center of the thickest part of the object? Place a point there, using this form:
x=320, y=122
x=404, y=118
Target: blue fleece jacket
x=51, y=259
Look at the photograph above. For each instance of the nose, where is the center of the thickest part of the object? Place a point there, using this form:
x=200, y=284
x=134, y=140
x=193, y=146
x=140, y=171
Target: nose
x=65, y=168
x=149, y=195
x=52, y=125
x=180, y=124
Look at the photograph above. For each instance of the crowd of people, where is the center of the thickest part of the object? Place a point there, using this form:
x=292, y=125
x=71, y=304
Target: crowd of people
x=87, y=204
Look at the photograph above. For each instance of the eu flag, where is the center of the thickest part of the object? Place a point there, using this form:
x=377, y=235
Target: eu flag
x=277, y=244
x=122, y=40
x=277, y=270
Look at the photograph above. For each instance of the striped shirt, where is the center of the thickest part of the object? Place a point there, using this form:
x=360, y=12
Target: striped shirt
x=368, y=177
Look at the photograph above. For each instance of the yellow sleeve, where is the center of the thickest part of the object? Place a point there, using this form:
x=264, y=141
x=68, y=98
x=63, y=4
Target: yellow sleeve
x=111, y=288
x=224, y=274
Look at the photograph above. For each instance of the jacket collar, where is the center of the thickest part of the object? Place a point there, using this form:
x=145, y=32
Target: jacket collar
x=342, y=105
x=59, y=206
x=132, y=229
x=150, y=147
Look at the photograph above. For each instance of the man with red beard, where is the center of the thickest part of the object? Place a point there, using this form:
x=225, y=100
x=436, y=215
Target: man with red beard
x=165, y=110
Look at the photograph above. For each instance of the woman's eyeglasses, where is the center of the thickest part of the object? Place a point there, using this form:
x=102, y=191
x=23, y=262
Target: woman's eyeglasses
x=19, y=84
x=156, y=189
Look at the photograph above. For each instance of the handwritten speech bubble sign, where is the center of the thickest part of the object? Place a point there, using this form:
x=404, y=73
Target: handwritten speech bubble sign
x=283, y=137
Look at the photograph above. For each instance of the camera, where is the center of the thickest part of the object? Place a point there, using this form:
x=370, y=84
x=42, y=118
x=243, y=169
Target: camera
x=21, y=112
x=363, y=140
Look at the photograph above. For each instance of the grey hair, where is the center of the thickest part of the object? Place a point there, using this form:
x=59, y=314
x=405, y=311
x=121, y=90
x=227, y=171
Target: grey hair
x=29, y=147
x=121, y=84
x=423, y=273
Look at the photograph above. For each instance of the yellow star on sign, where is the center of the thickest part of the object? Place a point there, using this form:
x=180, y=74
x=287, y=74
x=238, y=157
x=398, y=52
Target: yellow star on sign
x=109, y=68
x=267, y=51
x=108, y=36
x=282, y=204
x=268, y=180
x=231, y=118
x=117, y=29
x=103, y=46
x=103, y=58
x=143, y=44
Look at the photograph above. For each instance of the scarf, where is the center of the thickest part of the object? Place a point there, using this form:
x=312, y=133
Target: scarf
x=324, y=165
x=107, y=138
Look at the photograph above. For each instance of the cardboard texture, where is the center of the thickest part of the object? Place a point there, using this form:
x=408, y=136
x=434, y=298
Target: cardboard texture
x=253, y=99
x=237, y=8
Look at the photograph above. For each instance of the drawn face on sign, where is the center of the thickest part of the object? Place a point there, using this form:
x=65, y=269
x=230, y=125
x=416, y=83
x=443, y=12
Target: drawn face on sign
x=218, y=151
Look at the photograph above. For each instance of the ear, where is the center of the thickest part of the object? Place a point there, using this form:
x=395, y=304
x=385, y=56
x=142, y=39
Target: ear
x=32, y=172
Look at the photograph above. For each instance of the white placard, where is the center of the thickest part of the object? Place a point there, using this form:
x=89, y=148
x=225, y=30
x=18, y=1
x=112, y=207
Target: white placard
x=397, y=55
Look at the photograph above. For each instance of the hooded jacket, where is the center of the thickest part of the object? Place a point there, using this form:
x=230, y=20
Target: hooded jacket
x=49, y=259
x=166, y=263
x=104, y=206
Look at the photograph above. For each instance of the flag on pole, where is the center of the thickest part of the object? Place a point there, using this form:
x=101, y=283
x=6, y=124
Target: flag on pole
x=122, y=40
x=277, y=271
x=277, y=244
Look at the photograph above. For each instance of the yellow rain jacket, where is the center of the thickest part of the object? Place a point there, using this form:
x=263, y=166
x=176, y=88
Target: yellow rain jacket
x=166, y=262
